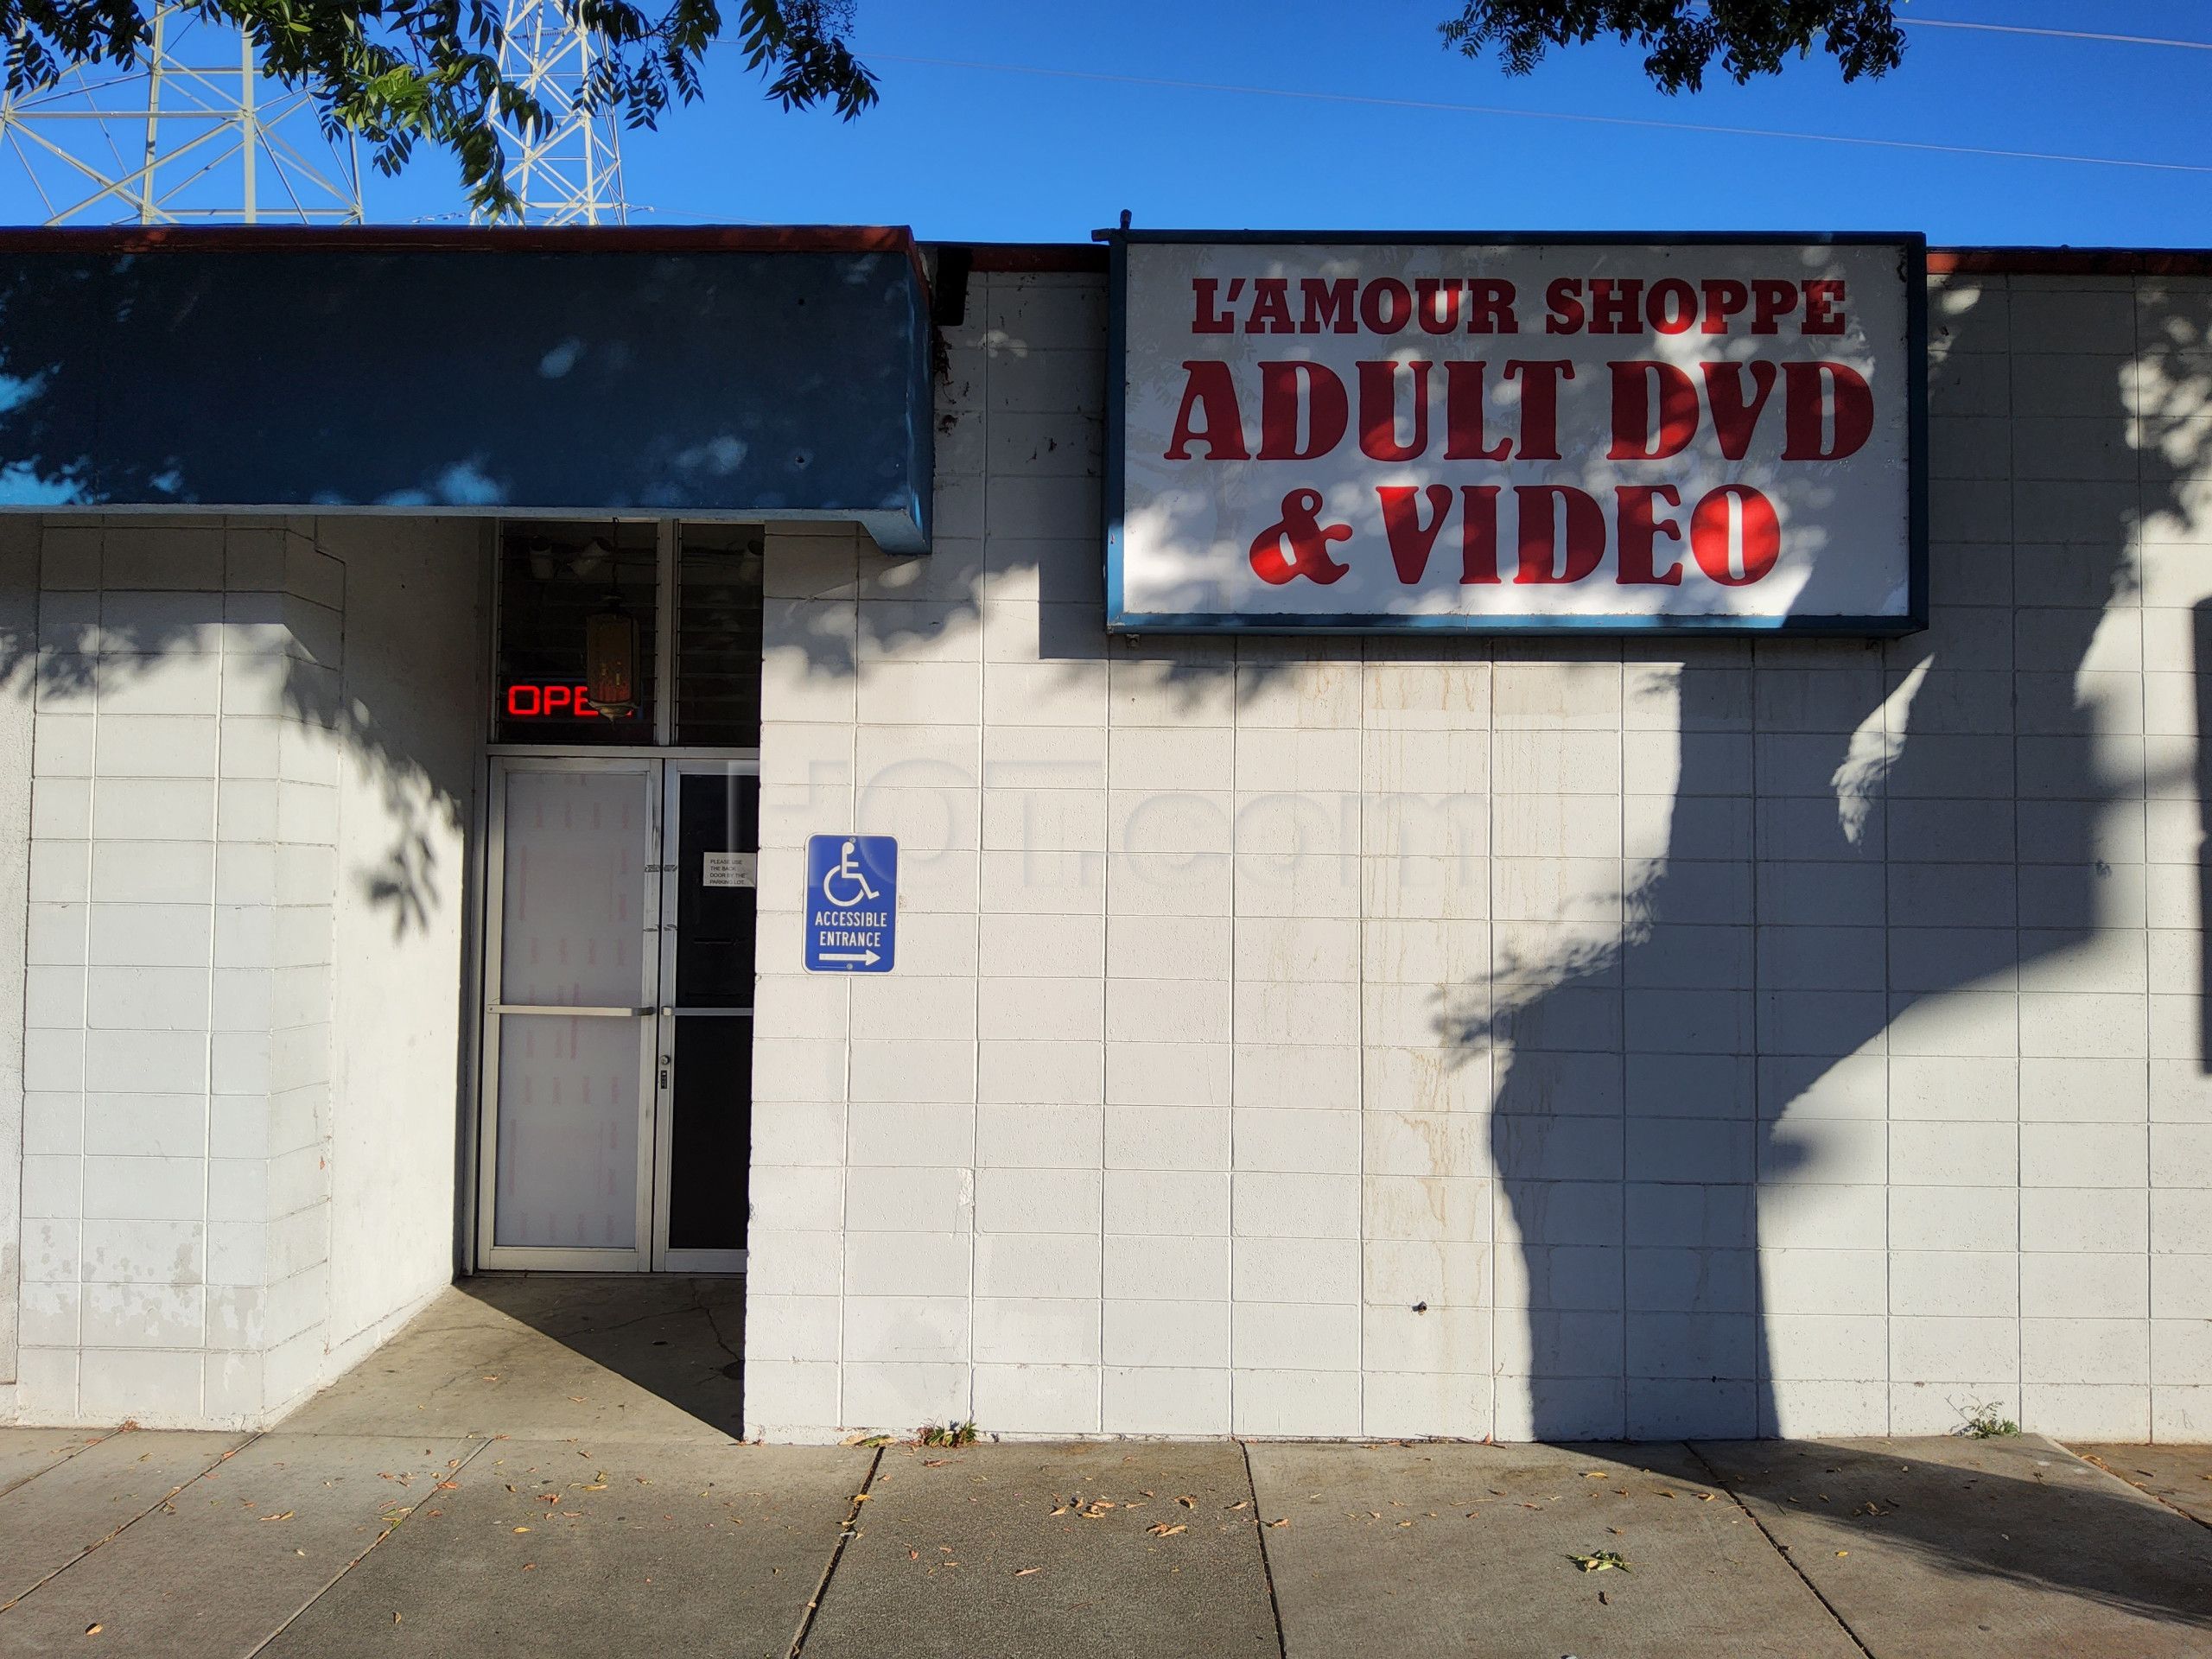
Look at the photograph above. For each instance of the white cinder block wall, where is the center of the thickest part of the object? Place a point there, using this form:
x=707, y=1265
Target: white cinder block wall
x=196, y=727
x=1384, y=1038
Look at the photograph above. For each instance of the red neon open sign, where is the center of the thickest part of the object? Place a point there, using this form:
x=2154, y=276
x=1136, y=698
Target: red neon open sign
x=549, y=701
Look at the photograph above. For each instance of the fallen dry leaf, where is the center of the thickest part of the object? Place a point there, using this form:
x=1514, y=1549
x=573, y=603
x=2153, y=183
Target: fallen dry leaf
x=1024, y=1572
x=517, y=1529
x=94, y=1629
x=1188, y=1503
x=1161, y=1529
x=1283, y=1522
x=1242, y=1504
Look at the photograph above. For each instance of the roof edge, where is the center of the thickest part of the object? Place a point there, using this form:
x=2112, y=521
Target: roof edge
x=459, y=239
x=1004, y=256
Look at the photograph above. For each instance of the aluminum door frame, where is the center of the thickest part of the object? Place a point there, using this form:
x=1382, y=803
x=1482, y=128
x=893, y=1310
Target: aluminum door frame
x=673, y=772
x=489, y=1253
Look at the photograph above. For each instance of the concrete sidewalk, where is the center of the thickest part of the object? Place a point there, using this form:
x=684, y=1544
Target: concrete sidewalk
x=547, y=1467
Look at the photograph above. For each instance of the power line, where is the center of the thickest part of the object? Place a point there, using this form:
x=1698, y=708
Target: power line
x=2054, y=34
x=1541, y=115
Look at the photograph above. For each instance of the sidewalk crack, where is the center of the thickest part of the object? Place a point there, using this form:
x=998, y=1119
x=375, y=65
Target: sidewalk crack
x=330, y=1583
x=1266, y=1567
x=161, y=1502
x=1774, y=1544
x=845, y=1535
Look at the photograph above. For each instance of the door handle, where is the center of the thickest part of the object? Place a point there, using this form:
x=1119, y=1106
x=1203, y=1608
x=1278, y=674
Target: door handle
x=564, y=1010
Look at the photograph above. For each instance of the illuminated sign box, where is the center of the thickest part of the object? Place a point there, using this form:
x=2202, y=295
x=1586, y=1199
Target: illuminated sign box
x=1485, y=434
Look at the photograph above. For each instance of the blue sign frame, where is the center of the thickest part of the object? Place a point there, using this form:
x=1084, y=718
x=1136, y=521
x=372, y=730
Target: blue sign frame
x=1912, y=249
x=852, y=904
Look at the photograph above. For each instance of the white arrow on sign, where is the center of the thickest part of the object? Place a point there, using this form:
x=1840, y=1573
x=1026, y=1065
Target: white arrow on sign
x=866, y=956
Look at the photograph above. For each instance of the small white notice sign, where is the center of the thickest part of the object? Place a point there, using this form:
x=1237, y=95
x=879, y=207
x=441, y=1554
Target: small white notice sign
x=728, y=870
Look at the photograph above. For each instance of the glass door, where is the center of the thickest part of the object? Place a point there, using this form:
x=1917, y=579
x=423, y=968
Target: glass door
x=573, y=953
x=617, y=1130
x=703, y=1068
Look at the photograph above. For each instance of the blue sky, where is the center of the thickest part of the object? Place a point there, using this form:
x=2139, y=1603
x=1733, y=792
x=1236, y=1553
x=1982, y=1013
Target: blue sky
x=989, y=155
x=984, y=154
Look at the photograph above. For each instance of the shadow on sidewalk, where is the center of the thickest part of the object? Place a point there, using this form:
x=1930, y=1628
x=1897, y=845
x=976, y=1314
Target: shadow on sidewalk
x=678, y=1337
x=2017, y=1515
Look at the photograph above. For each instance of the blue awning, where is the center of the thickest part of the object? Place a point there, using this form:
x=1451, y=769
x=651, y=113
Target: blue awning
x=703, y=373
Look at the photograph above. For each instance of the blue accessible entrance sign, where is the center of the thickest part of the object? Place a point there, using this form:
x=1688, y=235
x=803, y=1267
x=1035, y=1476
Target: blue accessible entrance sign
x=852, y=904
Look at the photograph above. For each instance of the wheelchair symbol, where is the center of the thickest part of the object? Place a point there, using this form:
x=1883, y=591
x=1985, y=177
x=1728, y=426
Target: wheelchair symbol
x=846, y=872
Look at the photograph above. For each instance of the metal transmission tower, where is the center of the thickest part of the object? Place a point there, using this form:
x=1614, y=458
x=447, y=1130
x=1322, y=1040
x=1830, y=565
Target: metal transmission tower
x=570, y=171
x=191, y=132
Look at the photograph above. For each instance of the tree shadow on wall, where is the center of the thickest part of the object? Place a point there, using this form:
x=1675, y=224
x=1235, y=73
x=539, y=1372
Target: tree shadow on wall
x=1871, y=849
x=111, y=618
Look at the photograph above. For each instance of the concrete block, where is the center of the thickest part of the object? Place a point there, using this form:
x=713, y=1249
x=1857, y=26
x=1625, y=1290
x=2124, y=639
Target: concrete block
x=1019, y=1136
x=1295, y=1270
x=1172, y=1203
x=1447, y=772
x=1038, y=1200
x=2084, y=1352
x=1952, y=1089
x=1193, y=1335
x=1168, y=1074
x=1020, y=1071
x=1165, y=1401
x=1037, y=1009
x=1296, y=1404
x=1450, y=696
x=1268, y=1205
x=2084, y=1221
x=2083, y=1155
x=1954, y=1154
x=1039, y=1399
x=909, y=1199
x=1062, y=1265
x=906, y=1330
x=1812, y=1216
x=904, y=1396
x=1308, y=1077
x=1029, y=1330
x=1295, y=1142
x=1181, y=1010
x=1146, y=1268
x=1546, y=763
x=2068, y=1090
x=913, y=1069
x=1942, y=1283
x=1328, y=1015
x=1426, y=1209
x=1932, y=959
